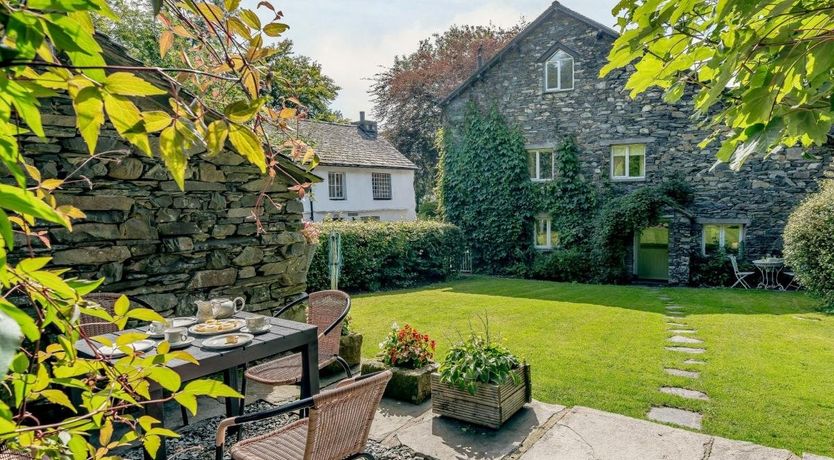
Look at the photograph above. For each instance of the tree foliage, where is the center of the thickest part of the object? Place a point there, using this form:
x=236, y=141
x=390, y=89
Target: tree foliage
x=809, y=248
x=484, y=189
x=297, y=80
x=762, y=70
x=49, y=48
x=407, y=95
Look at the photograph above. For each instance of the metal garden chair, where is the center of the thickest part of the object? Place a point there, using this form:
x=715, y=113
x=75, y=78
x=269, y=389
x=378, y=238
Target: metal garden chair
x=337, y=427
x=740, y=276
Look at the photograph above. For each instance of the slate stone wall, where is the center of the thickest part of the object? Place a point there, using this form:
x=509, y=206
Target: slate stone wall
x=169, y=248
x=599, y=113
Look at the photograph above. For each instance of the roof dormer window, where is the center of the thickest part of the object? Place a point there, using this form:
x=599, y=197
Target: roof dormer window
x=558, y=72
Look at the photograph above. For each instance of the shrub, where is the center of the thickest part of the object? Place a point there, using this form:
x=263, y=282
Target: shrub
x=711, y=270
x=477, y=360
x=388, y=255
x=407, y=348
x=809, y=246
x=562, y=265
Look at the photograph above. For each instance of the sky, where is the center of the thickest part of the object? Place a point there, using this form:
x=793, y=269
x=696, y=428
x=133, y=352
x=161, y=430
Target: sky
x=355, y=39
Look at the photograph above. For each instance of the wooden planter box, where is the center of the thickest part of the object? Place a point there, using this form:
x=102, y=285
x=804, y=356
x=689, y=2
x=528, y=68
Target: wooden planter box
x=490, y=406
x=409, y=385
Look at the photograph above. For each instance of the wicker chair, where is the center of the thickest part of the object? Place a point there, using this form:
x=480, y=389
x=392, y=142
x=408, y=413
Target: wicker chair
x=337, y=427
x=327, y=310
x=93, y=326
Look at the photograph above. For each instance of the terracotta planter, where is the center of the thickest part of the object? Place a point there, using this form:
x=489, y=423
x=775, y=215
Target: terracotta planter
x=490, y=406
x=409, y=385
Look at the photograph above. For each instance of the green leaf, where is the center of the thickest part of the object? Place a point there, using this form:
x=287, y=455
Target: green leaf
x=172, y=153
x=242, y=111
x=275, y=29
x=121, y=306
x=6, y=230
x=144, y=314
x=127, y=84
x=216, y=136
x=128, y=121
x=151, y=443
x=187, y=400
x=130, y=337
x=250, y=18
x=166, y=378
x=58, y=397
x=25, y=202
x=248, y=145
x=10, y=337
x=53, y=282
x=212, y=388
x=25, y=322
x=89, y=113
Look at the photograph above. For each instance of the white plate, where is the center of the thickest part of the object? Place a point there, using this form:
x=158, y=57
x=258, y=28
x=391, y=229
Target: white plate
x=114, y=352
x=219, y=342
x=239, y=323
x=184, y=344
x=262, y=330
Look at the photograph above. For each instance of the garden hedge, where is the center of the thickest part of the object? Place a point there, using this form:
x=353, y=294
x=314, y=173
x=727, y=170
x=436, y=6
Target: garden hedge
x=388, y=255
x=809, y=246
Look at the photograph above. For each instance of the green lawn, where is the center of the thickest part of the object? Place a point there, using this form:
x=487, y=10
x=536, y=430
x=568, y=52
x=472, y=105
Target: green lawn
x=770, y=356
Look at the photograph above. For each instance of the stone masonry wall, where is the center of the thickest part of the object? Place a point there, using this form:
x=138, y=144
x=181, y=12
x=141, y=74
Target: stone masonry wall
x=169, y=248
x=599, y=112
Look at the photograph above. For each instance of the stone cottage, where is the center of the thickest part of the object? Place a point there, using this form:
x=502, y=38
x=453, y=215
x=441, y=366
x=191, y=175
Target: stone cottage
x=546, y=82
x=148, y=239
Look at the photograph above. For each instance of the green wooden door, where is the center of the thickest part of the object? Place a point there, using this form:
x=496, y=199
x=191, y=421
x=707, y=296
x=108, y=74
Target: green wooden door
x=653, y=253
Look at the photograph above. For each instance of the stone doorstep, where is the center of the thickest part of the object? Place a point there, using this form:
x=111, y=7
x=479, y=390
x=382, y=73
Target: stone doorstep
x=685, y=393
x=683, y=331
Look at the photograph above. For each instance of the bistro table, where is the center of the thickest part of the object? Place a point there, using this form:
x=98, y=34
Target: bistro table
x=770, y=268
x=284, y=336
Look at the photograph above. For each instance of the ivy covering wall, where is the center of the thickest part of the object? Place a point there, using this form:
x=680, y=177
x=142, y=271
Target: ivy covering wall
x=484, y=188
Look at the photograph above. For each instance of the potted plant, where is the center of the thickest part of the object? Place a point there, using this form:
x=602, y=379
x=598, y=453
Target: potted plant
x=408, y=353
x=480, y=382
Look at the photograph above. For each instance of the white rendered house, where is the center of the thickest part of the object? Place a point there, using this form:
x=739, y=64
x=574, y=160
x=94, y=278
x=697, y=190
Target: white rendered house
x=364, y=176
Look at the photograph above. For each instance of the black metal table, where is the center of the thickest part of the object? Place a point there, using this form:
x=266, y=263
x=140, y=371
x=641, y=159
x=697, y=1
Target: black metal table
x=285, y=336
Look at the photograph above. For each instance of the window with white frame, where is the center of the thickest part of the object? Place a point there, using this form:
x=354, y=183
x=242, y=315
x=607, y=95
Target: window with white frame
x=544, y=237
x=628, y=162
x=558, y=72
x=540, y=164
x=728, y=237
x=336, y=185
x=381, y=184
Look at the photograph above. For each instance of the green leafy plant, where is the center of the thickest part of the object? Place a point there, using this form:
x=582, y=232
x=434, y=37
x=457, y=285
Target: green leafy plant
x=809, y=247
x=760, y=70
x=49, y=49
x=407, y=348
x=484, y=188
x=388, y=255
x=477, y=359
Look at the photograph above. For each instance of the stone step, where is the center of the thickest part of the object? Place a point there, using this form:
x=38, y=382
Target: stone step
x=675, y=307
x=694, y=361
x=682, y=339
x=672, y=323
x=683, y=373
x=690, y=350
x=675, y=314
x=685, y=393
x=683, y=331
x=674, y=416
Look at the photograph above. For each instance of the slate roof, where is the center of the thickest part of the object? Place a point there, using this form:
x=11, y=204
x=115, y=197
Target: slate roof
x=346, y=145
x=555, y=7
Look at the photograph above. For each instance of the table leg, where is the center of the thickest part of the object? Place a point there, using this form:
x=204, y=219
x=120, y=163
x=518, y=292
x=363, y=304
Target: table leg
x=763, y=283
x=310, y=369
x=157, y=411
x=230, y=378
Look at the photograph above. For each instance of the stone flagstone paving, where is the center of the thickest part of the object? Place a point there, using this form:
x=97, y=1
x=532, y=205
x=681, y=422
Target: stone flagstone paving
x=676, y=324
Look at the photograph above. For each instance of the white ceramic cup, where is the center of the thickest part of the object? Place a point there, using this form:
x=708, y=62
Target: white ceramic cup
x=256, y=323
x=176, y=335
x=159, y=327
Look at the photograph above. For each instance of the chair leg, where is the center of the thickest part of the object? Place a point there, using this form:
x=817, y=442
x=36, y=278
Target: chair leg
x=345, y=366
x=184, y=413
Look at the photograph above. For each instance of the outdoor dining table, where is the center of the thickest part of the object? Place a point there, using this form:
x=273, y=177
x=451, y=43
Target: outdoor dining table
x=770, y=269
x=284, y=336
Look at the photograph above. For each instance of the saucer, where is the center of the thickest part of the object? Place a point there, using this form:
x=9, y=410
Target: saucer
x=262, y=330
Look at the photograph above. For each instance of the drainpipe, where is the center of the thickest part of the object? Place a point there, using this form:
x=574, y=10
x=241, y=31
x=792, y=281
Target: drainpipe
x=312, y=216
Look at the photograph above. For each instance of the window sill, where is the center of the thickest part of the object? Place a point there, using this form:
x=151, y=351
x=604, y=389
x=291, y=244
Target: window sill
x=382, y=199
x=540, y=180
x=337, y=199
x=546, y=91
x=628, y=179
x=543, y=248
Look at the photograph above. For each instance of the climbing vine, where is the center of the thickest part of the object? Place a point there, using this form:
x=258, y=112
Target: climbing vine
x=484, y=188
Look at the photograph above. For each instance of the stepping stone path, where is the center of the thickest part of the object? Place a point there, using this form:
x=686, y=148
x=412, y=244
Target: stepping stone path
x=682, y=334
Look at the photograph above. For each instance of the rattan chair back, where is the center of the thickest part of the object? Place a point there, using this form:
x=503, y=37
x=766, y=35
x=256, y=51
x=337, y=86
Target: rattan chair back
x=325, y=310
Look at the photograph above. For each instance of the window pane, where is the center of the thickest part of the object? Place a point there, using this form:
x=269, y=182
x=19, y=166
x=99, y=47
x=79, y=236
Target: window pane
x=554, y=238
x=552, y=74
x=531, y=164
x=635, y=165
x=566, y=75
x=619, y=149
x=336, y=185
x=619, y=166
x=541, y=231
x=712, y=238
x=732, y=238
x=381, y=185
x=545, y=165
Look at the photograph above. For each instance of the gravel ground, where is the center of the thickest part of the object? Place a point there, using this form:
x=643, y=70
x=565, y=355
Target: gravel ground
x=197, y=440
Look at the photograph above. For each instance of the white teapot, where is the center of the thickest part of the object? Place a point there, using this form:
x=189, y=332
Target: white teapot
x=225, y=308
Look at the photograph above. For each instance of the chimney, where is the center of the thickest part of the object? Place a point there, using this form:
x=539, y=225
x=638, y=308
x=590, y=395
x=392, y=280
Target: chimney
x=367, y=127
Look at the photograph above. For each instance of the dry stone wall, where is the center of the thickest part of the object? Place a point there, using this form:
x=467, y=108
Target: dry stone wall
x=150, y=240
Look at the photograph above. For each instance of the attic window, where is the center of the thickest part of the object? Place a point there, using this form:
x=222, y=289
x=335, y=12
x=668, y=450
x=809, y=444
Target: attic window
x=558, y=72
